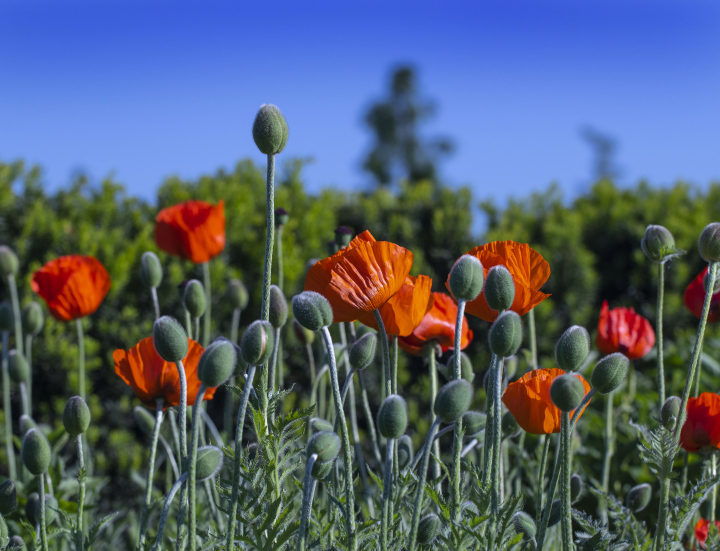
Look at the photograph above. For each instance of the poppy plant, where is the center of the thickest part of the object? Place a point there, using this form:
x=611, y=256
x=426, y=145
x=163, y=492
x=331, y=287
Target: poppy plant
x=194, y=230
x=405, y=309
x=694, y=298
x=72, y=286
x=622, y=330
x=153, y=378
x=702, y=424
x=528, y=399
x=437, y=325
x=702, y=529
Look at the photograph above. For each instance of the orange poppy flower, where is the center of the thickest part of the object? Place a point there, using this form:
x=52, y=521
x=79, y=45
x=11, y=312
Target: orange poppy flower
x=694, y=298
x=528, y=399
x=702, y=425
x=529, y=269
x=361, y=277
x=151, y=377
x=438, y=325
x=622, y=330
x=72, y=286
x=405, y=309
x=194, y=230
x=702, y=528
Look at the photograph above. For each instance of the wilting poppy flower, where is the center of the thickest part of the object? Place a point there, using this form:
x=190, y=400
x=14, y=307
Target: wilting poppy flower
x=702, y=425
x=405, y=309
x=72, y=286
x=361, y=277
x=694, y=298
x=622, y=330
x=151, y=377
x=529, y=269
x=528, y=399
x=437, y=325
x=194, y=230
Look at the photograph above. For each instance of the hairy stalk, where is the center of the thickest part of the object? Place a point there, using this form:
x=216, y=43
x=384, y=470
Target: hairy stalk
x=270, y=237
x=150, y=473
x=495, y=468
x=308, y=493
x=369, y=418
x=16, y=315
x=387, y=494
x=311, y=364
x=166, y=509
x=541, y=477
x=490, y=421
x=24, y=398
x=229, y=396
x=182, y=420
x=28, y=356
x=609, y=452
x=420, y=491
x=188, y=325
x=713, y=493
x=7, y=412
x=394, y=363
x=81, y=358
x=429, y=355
x=533, y=339
x=43, y=528
x=192, y=465
x=207, y=316
x=457, y=437
x=197, y=329
x=156, y=304
x=273, y=365
x=567, y=536
x=386, y=352
x=281, y=271
x=81, y=494
x=659, y=334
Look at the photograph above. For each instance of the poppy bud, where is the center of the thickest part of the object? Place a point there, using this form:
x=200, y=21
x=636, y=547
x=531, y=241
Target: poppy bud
x=326, y=444
x=51, y=507
x=509, y=425
x=572, y=348
x=270, y=130
x=9, y=263
x=209, y=461
x=362, y=352
x=638, y=497
x=8, y=497
x=217, y=363
x=312, y=310
x=170, y=339
x=318, y=425
x=35, y=452
x=466, y=278
x=321, y=470
x=281, y=216
x=566, y=392
x=669, y=412
x=194, y=298
x=709, y=242
x=524, y=525
x=453, y=399
x=26, y=423
x=609, y=373
x=392, y=417
x=144, y=419
x=7, y=319
x=555, y=513
x=32, y=319
x=18, y=368
x=305, y=336
x=506, y=334
x=278, y=307
x=405, y=451
x=16, y=544
x=658, y=243
x=257, y=342
x=237, y=294
x=466, y=368
x=499, y=288
x=76, y=416
x=343, y=236
x=428, y=528
x=32, y=500
x=151, y=271
x=576, y=487
x=474, y=423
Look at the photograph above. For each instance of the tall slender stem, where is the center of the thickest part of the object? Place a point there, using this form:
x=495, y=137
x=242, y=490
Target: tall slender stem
x=429, y=354
x=192, y=465
x=567, y=537
x=713, y=493
x=182, y=420
x=542, y=528
x=188, y=325
x=457, y=437
x=386, y=352
x=43, y=528
x=420, y=490
x=81, y=494
x=28, y=356
x=308, y=493
x=207, y=316
x=387, y=494
x=311, y=364
x=281, y=272
x=270, y=237
x=230, y=396
x=7, y=411
x=16, y=314
x=166, y=509
x=24, y=398
x=489, y=423
x=81, y=357
x=495, y=469
x=369, y=418
x=659, y=333
x=150, y=472
x=394, y=363
x=533, y=339
x=609, y=451
x=156, y=304
x=541, y=477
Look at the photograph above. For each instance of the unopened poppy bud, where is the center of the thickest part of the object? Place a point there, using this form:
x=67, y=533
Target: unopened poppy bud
x=576, y=487
x=304, y=335
x=51, y=508
x=466, y=278
x=27, y=423
x=194, y=298
x=658, y=243
x=32, y=500
x=217, y=363
x=466, y=368
x=144, y=419
x=317, y=425
x=8, y=497
x=609, y=373
x=343, y=236
x=362, y=352
x=35, y=452
x=9, y=263
x=257, y=342
x=281, y=216
x=555, y=513
x=326, y=444
x=453, y=399
x=151, y=271
x=638, y=497
x=393, y=417
x=16, y=544
x=669, y=412
x=170, y=339
x=566, y=392
x=525, y=525
x=506, y=334
x=237, y=294
x=209, y=461
x=7, y=319
x=509, y=425
x=312, y=310
x=572, y=348
x=278, y=307
x=474, y=423
x=32, y=319
x=270, y=130
x=405, y=451
x=76, y=416
x=709, y=242
x=322, y=470
x=18, y=368
x=499, y=288
x=428, y=528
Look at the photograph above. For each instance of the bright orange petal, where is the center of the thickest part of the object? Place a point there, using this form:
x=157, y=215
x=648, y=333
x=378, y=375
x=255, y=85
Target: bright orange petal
x=405, y=309
x=194, y=230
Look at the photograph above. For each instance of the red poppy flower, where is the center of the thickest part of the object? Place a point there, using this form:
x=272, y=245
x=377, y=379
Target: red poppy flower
x=438, y=325
x=151, y=377
x=405, y=309
x=194, y=230
x=360, y=277
x=529, y=269
x=72, y=286
x=702, y=528
x=694, y=298
x=622, y=330
x=702, y=425
x=528, y=399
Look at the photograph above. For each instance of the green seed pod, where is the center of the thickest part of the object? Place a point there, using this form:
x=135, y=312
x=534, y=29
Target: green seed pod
x=638, y=497
x=270, y=130
x=609, y=373
x=709, y=242
x=466, y=368
x=33, y=319
x=576, y=487
x=499, y=288
x=669, y=412
x=281, y=216
x=76, y=416
x=278, y=307
x=209, y=461
x=144, y=419
x=555, y=513
x=257, y=342
x=27, y=423
x=8, y=497
x=572, y=348
x=237, y=294
x=322, y=470
x=326, y=444
x=453, y=399
x=566, y=392
x=474, y=423
x=170, y=339
x=18, y=368
x=51, y=509
x=151, y=271
x=466, y=278
x=525, y=525
x=32, y=500
x=217, y=363
x=392, y=417
x=428, y=528
x=35, y=452
x=7, y=319
x=305, y=336
x=509, y=424
x=506, y=334
x=9, y=263
x=362, y=352
x=658, y=243
x=405, y=451
x=312, y=310
x=194, y=298
x=16, y=544
x=343, y=236
x=317, y=425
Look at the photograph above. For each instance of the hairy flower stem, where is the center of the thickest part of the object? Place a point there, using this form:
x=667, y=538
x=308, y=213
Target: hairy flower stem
x=182, y=420
x=7, y=412
x=429, y=355
x=659, y=334
x=229, y=396
x=280, y=270
x=457, y=435
x=156, y=304
x=541, y=477
x=81, y=358
x=81, y=494
x=16, y=314
x=533, y=339
x=24, y=398
x=207, y=316
x=567, y=536
x=43, y=528
x=420, y=490
x=28, y=357
x=713, y=493
x=609, y=451
x=270, y=237
x=308, y=493
x=495, y=469
x=150, y=473
x=369, y=418
x=192, y=464
x=273, y=366
x=385, y=345
x=387, y=495
x=490, y=423
x=166, y=509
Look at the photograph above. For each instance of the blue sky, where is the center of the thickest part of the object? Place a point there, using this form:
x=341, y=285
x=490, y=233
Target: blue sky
x=147, y=89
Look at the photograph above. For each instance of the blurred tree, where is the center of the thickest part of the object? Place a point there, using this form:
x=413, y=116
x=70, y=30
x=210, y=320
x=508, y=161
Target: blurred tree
x=604, y=150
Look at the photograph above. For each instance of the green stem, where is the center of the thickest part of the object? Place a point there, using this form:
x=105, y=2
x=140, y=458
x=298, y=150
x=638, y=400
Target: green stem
x=7, y=411
x=541, y=477
x=81, y=495
x=188, y=325
x=156, y=304
x=207, y=316
x=281, y=273
x=43, y=528
x=567, y=536
x=387, y=494
x=28, y=356
x=16, y=314
x=659, y=333
x=609, y=451
x=533, y=339
x=308, y=493
x=197, y=330
x=394, y=363
x=369, y=418
x=150, y=473
x=273, y=362
x=229, y=396
x=713, y=493
x=496, y=438
x=490, y=423
x=24, y=398
x=182, y=420
x=270, y=238
x=386, y=352
x=429, y=354
x=192, y=462
x=457, y=435
x=166, y=509
x=81, y=357
x=420, y=490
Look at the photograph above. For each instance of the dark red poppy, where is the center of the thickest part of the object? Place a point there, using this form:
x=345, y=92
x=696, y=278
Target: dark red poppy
x=702, y=425
x=194, y=230
x=702, y=528
x=694, y=298
x=622, y=330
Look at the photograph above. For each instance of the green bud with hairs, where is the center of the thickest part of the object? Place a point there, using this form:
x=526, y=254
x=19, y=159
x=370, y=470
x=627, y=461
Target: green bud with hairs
x=144, y=419
x=317, y=425
x=8, y=497
x=270, y=130
x=453, y=399
x=392, y=419
x=194, y=298
x=9, y=263
x=576, y=487
x=405, y=451
x=709, y=243
x=18, y=368
x=466, y=278
x=312, y=310
x=572, y=348
x=217, y=363
x=639, y=497
x=566, y=392
x=506, y=334
x=474, y=423
x=609, y=373
x=35, y=452
x=33, y=319
x=209, y=461
x=257, y=342
x=670, y=412
x=428, y=528
x=151, y=271
x=362, y=352
x=76, y=416
x=32, y=500
x=237, y=294
x=51, y=508
x=278, y=307
x=170, y=339
x=499, y=288
x=525, y=525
